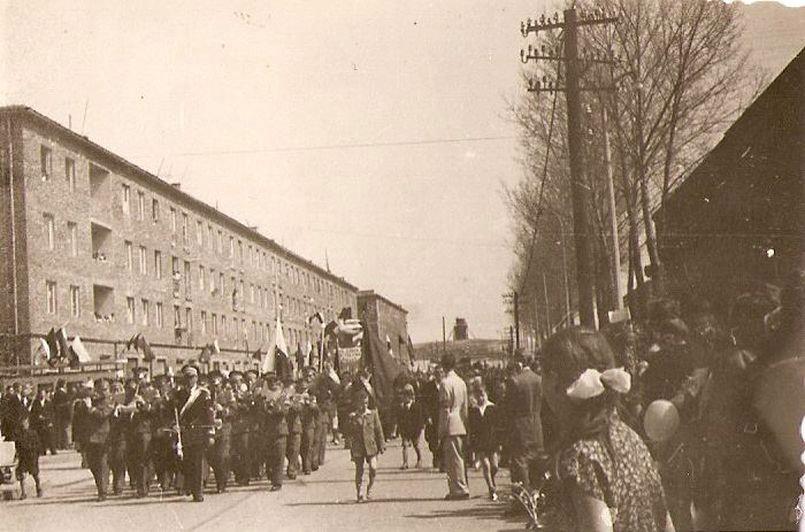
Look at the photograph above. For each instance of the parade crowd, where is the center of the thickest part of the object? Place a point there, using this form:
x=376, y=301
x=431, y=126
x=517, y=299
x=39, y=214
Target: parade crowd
x=644, y=425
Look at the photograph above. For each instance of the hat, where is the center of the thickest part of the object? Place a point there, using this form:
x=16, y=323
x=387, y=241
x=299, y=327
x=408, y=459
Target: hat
x=235, y=373
x=252, y=372
x=189, y=370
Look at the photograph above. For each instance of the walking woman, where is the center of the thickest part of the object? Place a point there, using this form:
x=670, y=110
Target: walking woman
x=604, y=468
x=366, y=442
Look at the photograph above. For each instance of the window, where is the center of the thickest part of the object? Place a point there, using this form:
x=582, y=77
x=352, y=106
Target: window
x=214, y=323
x=52, y=301
x=220, y=242
x=158, y=264
x=145, y=310
x=199, y=233
x=155, y=210
x=212, y=280
x=173, y=220
x=188, y=318
x=203, y=322
x=126, y=199
x=201, y=277
x=45, y=162
x=72, y=236
x=50, y=231
x=177, y=317
x=231, y=246
x=187, y=278
x=141, y=205
x=184, y=228
x=240, y=251
x=129, y=257
x=175, y=265
x=130, y=310
x=210, y=240
x=159, y=318
x=75, y=302
x=69, y=173
x=224, y=330
x=251, y=294
x=143, y=261
x=221, y=283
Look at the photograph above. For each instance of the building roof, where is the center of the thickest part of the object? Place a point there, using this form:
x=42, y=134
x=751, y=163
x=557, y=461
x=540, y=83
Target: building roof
x=372, y=293
x=170, y=191
x=783, y=96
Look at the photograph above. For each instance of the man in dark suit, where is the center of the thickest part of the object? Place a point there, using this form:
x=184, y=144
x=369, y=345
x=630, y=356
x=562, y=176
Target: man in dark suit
x=522, y=405
x=42, y=421
x=196, y=418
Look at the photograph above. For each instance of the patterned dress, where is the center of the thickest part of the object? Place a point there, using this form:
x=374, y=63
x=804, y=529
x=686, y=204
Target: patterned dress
x=625, y=479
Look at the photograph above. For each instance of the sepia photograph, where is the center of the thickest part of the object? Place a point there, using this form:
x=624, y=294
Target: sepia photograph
x=375, y=265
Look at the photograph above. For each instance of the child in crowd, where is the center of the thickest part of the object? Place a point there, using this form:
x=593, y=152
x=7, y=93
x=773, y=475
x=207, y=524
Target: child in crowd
x=411, y=424
x=27, y=447
x=366, y=442
x=484, y=434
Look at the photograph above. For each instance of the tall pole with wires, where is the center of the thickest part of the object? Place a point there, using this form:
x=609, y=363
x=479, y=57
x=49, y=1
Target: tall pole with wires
x=580, y=190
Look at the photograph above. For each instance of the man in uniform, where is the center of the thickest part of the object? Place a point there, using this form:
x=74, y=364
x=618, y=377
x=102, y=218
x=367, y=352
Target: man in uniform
x=97, y=434
x=118, y=431
x=294, y=419
x=138, y=445
x=325, y=389
x=309, y=416
x=241, y=428
x=224, y=404
x=275, y=429
x=196, y=419
x=256, y=446
x=163, y=454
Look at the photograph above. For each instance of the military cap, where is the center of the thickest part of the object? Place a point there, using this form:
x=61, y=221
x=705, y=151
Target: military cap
x=252, y=372
x=189, y=370
x=215, y=374
x=235, y=373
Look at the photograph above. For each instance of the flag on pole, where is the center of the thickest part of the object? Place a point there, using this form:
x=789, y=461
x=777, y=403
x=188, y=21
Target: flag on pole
x=308, y=352
x=64, y=346
x=204, y=356
x=141, y=344
x=132, y=342
x=53, y=347
x=80, y=352
x=316, y=316
x=270, y=361
x=257, y=355
x=388, y=345
x=215, y=348
x=42, y=352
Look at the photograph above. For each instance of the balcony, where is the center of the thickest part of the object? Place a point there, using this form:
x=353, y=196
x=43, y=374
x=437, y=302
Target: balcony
x=101, y=242
x=103, y=298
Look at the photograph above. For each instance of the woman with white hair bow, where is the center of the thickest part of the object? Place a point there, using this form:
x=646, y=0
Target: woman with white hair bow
x=605, y=471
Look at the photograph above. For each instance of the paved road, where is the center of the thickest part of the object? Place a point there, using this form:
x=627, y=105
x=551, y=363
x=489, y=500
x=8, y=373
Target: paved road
x=402, y=500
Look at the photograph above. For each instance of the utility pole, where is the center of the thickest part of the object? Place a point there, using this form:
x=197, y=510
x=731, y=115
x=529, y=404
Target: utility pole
x=580, y=190
x=514, y=298
x=613, y=213
x=516, y=322
x=547, y=310
x=444, y=336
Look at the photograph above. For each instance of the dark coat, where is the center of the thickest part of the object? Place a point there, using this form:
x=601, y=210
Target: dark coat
x=485, y=428
x=523, y=403
x=197, y=420
x=367, y=435
x=97, y=421
x=42, y=415
x=410, y=420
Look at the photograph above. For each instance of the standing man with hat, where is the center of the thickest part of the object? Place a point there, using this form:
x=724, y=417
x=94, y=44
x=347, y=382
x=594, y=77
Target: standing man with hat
x=275, y=430
x=97, y=433
x=453, y=408
x=196, y=419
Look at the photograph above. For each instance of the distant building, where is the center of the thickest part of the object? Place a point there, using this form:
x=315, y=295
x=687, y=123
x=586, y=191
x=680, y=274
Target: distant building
x=90, y=241
x=391, y=320
x=460, y=329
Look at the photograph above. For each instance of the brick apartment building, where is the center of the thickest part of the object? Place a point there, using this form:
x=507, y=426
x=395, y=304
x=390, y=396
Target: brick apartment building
x=391, y=321
x=94, y=243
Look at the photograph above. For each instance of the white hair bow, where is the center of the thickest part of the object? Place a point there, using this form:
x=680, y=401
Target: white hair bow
x=592, y=383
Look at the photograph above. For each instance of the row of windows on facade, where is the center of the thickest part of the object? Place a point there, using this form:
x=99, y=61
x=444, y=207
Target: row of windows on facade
x=255, y=257
x=183, y=275
x=209, y=322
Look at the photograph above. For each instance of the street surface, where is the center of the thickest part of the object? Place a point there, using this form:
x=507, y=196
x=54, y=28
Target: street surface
x=401, y=500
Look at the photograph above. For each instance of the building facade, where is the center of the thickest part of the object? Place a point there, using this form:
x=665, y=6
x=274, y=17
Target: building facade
x=391, y=321
x=94, y=243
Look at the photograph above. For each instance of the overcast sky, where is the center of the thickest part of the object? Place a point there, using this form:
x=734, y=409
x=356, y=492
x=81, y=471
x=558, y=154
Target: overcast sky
x=376, y=131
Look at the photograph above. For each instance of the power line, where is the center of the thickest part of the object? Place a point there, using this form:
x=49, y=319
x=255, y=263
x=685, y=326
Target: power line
x=346, y=146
